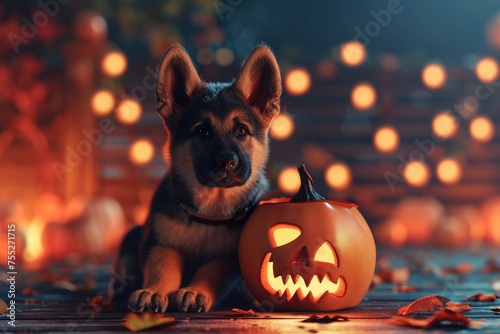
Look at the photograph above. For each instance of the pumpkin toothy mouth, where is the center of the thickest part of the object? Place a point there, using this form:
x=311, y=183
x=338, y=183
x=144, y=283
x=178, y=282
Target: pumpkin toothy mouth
x=296, y=285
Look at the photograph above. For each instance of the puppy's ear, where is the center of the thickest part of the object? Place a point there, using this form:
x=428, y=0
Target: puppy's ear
x=259, y=82
x=177, y=81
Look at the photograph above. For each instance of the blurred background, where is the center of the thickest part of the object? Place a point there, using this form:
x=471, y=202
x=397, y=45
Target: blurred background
x=391, y=104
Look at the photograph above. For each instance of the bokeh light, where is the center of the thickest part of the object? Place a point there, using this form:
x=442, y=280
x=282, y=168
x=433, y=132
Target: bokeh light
x=352, y=53
x=482, y=129
x=128, y=111
x=102, y=102
x=449, y=171
x=338, y=176
x=444, y=125
x=416, y=173
x=114, y=64
x=224, y=57
x=289, y=180
x=205, y=56
x=487, y=69
x=298, y=81
x=493, y=32
x=282, y=127
x=386, y=139
x=141, y=152
x=434, y=76
x=363, y=96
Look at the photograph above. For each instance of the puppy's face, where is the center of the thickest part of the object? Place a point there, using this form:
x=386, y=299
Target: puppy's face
x=218, y=132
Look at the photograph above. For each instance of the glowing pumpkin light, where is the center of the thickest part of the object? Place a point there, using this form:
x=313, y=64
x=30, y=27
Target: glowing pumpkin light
x=307, y=253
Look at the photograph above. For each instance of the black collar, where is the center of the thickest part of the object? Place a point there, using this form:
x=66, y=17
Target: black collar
x=191, y=215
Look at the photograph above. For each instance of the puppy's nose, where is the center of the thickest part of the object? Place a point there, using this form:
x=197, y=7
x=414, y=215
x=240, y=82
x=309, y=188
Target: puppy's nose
x=226, y=161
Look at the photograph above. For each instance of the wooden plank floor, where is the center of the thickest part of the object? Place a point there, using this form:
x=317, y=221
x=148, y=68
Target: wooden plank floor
x=58, y=297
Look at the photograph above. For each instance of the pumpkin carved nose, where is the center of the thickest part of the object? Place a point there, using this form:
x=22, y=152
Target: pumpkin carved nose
x=302, y=258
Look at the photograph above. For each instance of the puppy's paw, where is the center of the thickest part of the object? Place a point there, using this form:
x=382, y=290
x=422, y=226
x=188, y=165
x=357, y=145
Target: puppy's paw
x=190, y=300
x=148, y=300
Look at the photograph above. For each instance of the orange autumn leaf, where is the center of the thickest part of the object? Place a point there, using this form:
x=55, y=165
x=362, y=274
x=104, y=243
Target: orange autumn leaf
x=405, y=288
x=3, y=307
x=491, y=266
x=440, y=317
x=394, y=275
x=249, y=312
x=427, y=303
x=479, y=297
x=101, y=303
x=457, y=307
x=326, y=319
x=461, y=269
x=138, y=322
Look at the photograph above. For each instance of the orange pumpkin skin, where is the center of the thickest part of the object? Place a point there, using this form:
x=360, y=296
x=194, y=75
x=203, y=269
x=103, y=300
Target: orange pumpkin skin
x=339, y=224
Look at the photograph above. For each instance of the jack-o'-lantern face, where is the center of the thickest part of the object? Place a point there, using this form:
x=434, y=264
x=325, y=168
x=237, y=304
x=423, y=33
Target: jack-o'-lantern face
x=309, y=274
x=307, y=255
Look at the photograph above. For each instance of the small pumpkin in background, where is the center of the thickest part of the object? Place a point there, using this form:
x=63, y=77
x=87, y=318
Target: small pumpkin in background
x=95, y=228
x=307, y=253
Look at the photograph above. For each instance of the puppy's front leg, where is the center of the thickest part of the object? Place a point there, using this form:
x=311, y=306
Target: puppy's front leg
x=207, y=286
x=162, y=275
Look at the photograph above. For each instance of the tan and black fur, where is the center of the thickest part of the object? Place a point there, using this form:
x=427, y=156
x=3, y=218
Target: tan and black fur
x=217, y=137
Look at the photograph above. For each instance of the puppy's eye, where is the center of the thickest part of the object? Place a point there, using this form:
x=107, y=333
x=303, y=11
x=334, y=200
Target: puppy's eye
x=241, y=131
x=202, y=131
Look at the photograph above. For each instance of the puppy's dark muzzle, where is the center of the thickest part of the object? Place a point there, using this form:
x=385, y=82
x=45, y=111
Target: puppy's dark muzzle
x=226, y=161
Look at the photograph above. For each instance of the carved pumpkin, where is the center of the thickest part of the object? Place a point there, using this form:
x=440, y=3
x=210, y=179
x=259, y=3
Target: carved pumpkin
x=307, y=253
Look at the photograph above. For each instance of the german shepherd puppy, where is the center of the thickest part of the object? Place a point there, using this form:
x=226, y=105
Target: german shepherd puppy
x=185, y=256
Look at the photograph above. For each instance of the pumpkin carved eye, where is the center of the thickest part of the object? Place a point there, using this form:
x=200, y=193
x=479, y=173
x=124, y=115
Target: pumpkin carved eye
x=282, y=234
x=325, y=253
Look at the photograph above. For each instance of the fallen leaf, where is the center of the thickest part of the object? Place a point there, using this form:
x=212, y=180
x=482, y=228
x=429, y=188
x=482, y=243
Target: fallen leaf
x=249, y=312
x=461, y=269
x=491, y=266
x=28, y=292
x=394, y=275
x=440, y=317
x=326, y=319
x=405, y=288
x=457, y=307
x=427, y=303
x=496, y=310
x=137, y=322
x=479, y=297
x=101, y=303
x=3, y=306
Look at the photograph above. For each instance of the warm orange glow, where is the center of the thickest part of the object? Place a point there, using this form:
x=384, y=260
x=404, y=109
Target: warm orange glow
x=338, y=176
x=386, y=139
x=128, y=111
x=34, y=246
x=449, y=171
x=224, y=57
x=398, y=233
x=282, y=127
x=352, y=53
x=434, y=76
x=297, y=81
x=114, y=64
x=416, y=174
x=363, y=96
x=487, y=69
x=282, y=234
x=326, y=253
x=297, y=285
x=141, y=152
x=289, y=180
x=102, y=102
x=49, y=206
x=482, y=129
x=444, y=125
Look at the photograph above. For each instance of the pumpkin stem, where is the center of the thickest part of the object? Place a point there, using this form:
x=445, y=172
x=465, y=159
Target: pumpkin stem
x=306, y=192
